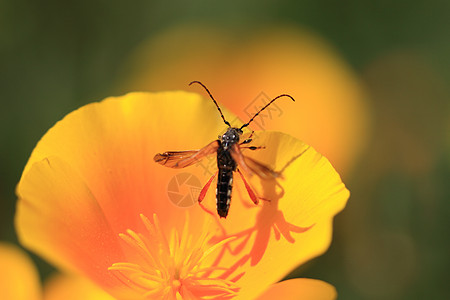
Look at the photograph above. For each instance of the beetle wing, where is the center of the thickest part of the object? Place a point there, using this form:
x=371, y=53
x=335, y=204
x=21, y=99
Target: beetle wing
x=182, y=159
x=251, y=166
x=260, y=169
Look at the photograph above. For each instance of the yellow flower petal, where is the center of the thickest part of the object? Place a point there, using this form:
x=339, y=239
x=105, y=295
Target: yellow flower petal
x=93, y=173
x=70, y=287
x=19, y=279
x=300, y=288
x=111, y=146
x=59, y=218
x=294, y=226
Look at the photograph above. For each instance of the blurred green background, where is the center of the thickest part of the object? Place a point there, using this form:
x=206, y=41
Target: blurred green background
x=392, y=241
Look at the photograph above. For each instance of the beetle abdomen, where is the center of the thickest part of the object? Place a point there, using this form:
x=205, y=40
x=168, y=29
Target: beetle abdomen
x=223, y=192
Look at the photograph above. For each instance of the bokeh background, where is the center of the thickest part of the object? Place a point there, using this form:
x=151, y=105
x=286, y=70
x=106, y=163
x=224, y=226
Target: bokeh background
x=371, y=81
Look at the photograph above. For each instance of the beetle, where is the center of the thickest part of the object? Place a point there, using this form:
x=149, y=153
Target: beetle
x=229, y=159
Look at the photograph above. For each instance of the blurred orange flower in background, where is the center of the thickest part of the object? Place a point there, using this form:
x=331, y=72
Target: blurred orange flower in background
x=93, y=203
x=20, y=280
x=245, y=69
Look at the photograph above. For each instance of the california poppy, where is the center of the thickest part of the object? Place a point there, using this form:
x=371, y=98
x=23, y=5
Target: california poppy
x=93, y=202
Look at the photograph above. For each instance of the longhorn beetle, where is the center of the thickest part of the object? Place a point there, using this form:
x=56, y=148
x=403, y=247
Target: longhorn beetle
x=229, y=160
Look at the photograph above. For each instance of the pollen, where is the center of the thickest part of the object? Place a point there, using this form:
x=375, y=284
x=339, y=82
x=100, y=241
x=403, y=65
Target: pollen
x=173, y=267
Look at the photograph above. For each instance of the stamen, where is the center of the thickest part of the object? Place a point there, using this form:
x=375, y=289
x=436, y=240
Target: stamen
x=173, y=267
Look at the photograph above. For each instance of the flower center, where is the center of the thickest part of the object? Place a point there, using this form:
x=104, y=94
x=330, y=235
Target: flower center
x=174, y=267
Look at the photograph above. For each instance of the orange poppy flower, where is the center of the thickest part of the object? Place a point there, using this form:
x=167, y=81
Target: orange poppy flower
x=245, y=69
x=92, y=201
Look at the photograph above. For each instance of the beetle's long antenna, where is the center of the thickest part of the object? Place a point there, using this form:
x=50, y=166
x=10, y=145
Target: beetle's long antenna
x=283, y=95
x=217, y=105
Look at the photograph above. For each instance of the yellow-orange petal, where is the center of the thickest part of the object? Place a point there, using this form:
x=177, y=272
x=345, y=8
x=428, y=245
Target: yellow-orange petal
x=93, y=173
x=19, y=279
x=111, y=145
x=294, y=226
x=70, y=287
x=300, y=289
x=59, y=218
